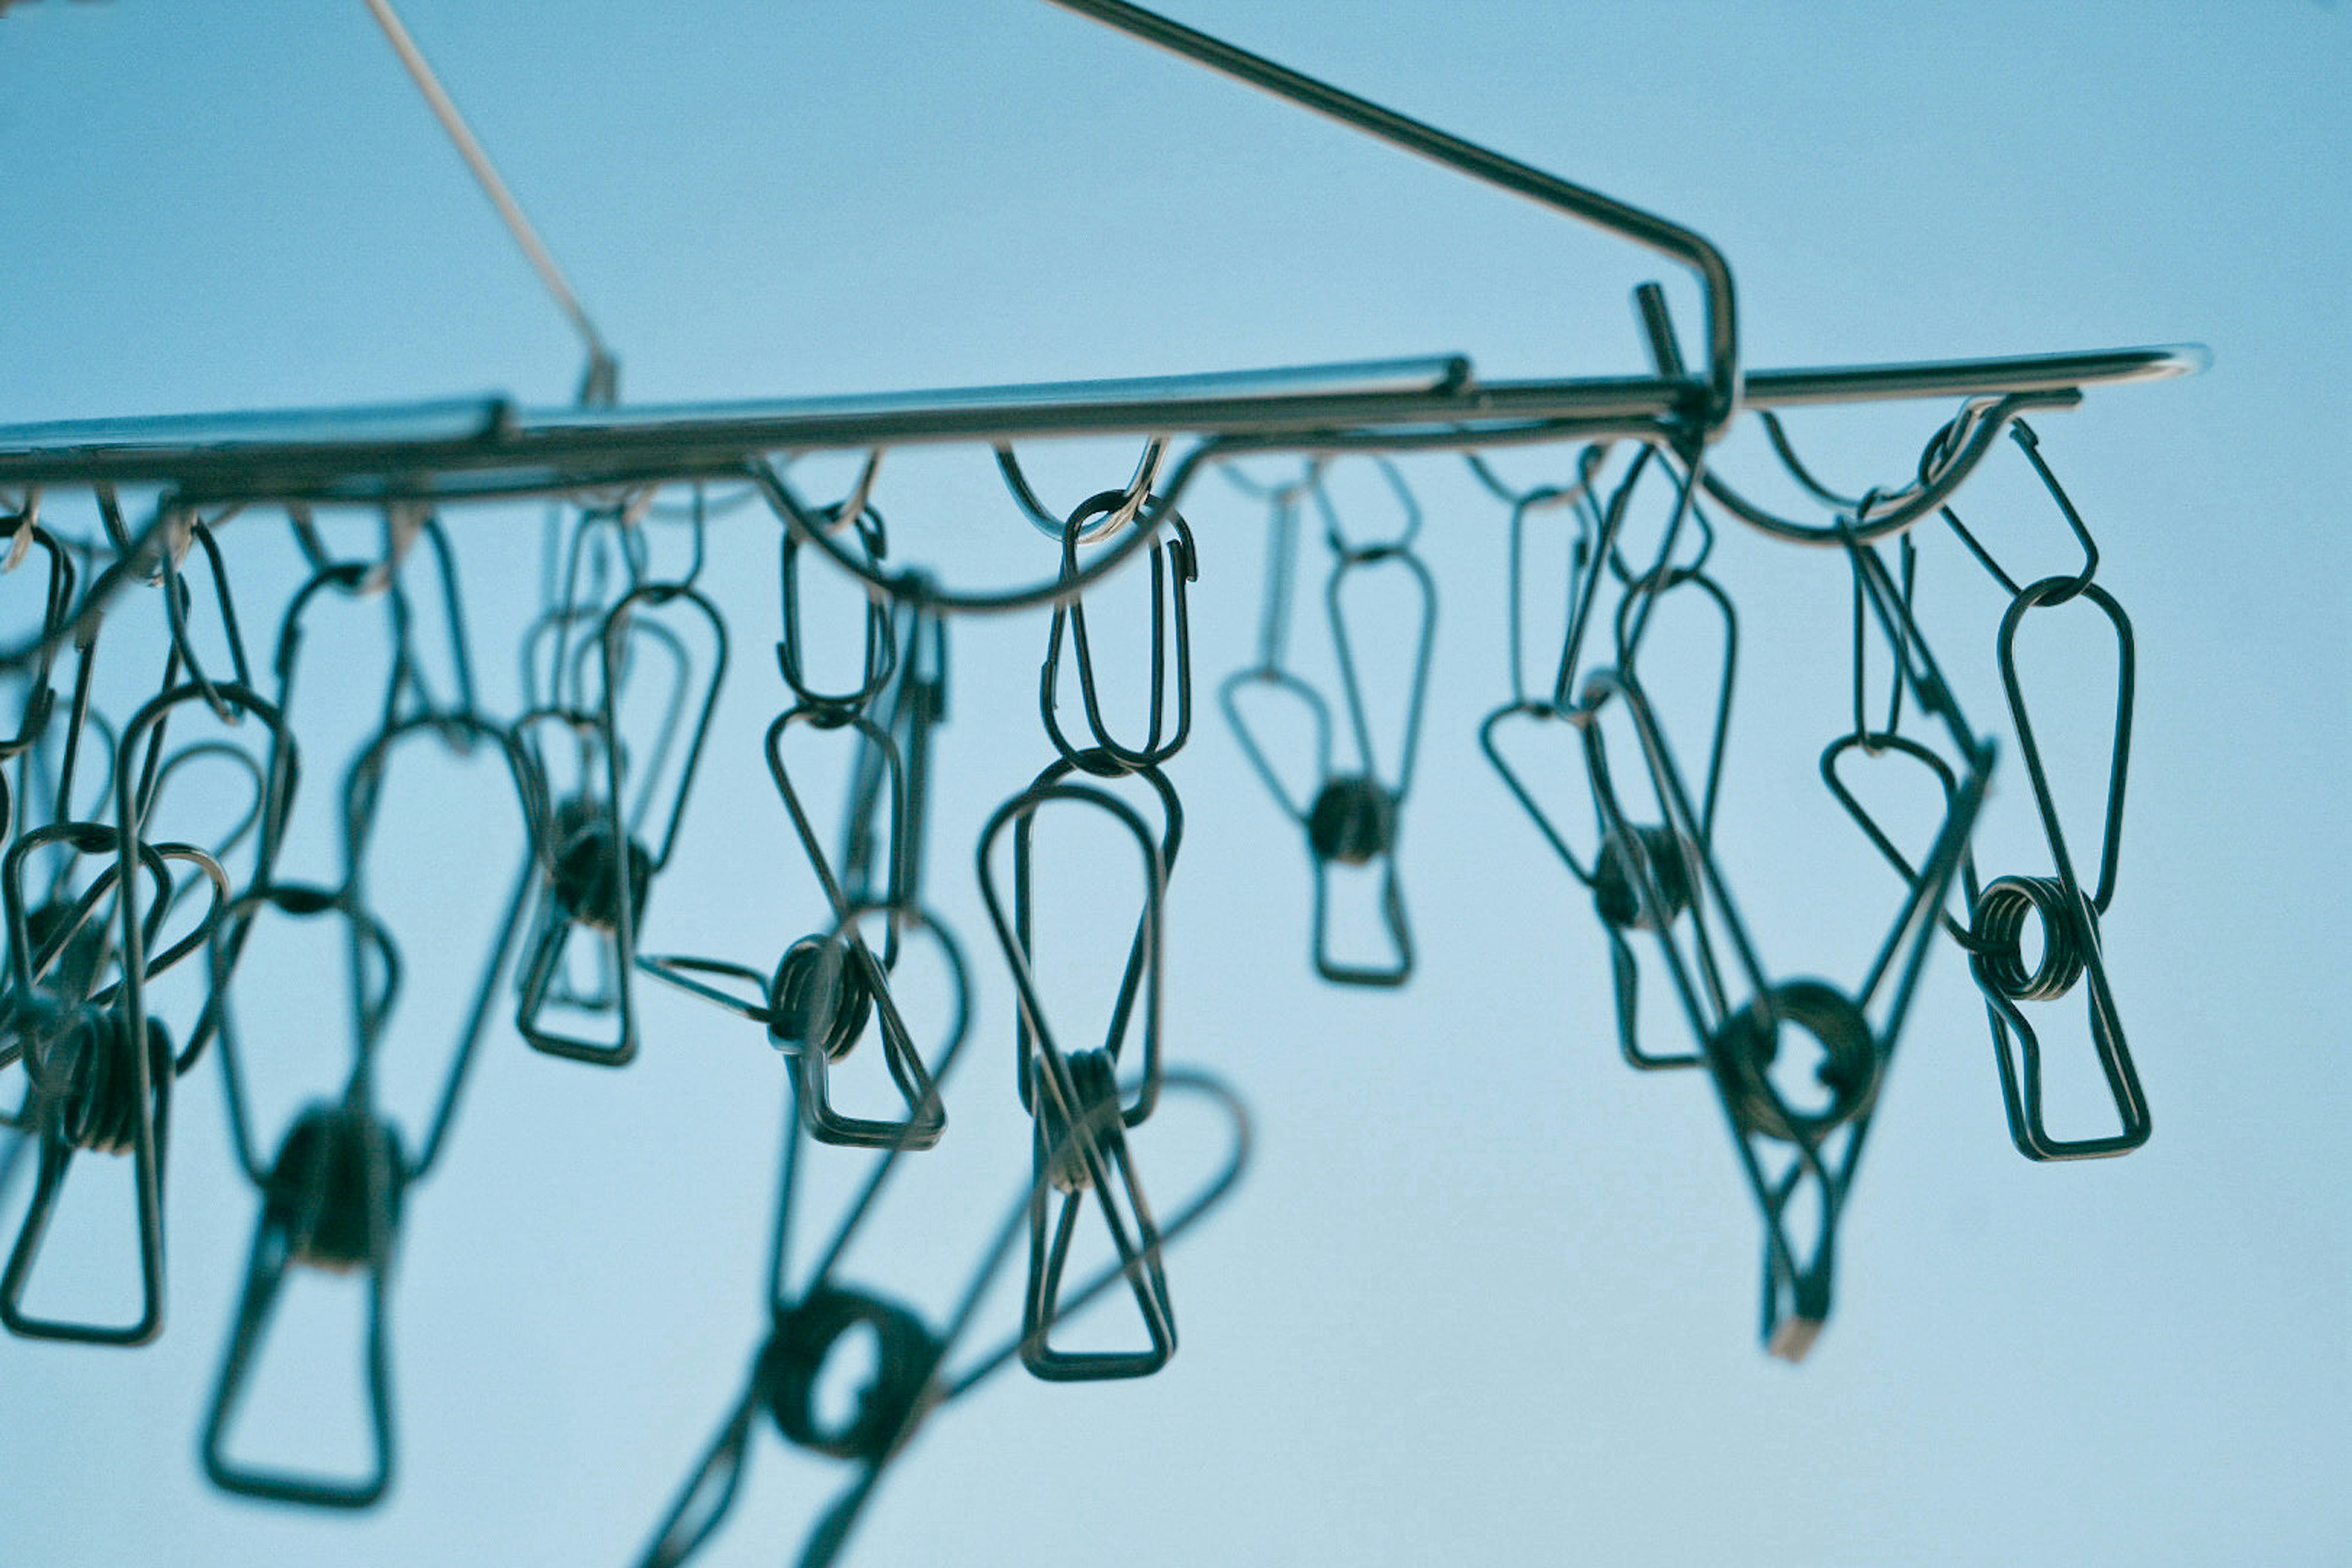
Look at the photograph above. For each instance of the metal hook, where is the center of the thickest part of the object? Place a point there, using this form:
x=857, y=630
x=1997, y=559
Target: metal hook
x=910, y=707
x=2022, y=434
x=1106, y=514
x=1892, y=512
x=881, y=648
x=1177, y=559
x=24, y=532
x=913, y=587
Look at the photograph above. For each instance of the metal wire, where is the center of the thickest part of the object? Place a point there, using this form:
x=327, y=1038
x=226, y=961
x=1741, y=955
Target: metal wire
x=602, y=383
x=620, y=693
x=1177, y=560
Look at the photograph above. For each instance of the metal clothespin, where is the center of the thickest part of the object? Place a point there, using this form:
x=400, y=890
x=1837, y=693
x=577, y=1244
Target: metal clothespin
x=330, y=1199
x=827, y=986
x=1065, y=1089
x=1789, y=1153
x=916, y=1369
x=102, y=1064
x=99, y=1068
x=1354, y=818
x=601, y=857
x=2066, y=914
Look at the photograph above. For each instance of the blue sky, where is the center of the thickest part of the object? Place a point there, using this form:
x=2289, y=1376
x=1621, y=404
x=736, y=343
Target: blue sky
x=1485, y=1293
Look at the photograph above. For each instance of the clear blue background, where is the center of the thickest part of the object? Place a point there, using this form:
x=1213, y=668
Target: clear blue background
x=1486, y=1295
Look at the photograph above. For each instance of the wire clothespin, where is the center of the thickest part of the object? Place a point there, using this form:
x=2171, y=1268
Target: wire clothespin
x=601, y=856
x=1065, y=1089
x=1355, y=817
x=1791, y=1152
x=334, y=1194
x=2068, y=915
x=99, y=1068
x=110, y=1089
x=1643, y=877
x=330, y=1200
x=1647, y=876
x=917, y=1371
x=828, y=985
x=135, y=795
x=829, y=988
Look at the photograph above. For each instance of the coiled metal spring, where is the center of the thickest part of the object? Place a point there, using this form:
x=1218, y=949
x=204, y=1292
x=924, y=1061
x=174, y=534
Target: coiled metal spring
x=1996, y=937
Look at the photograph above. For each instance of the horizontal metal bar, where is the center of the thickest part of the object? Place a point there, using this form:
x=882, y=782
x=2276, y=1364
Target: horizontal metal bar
x=1974, y=377
x=439, y=422
x=1435, y=375
x=491, y=433
x=487, y=445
